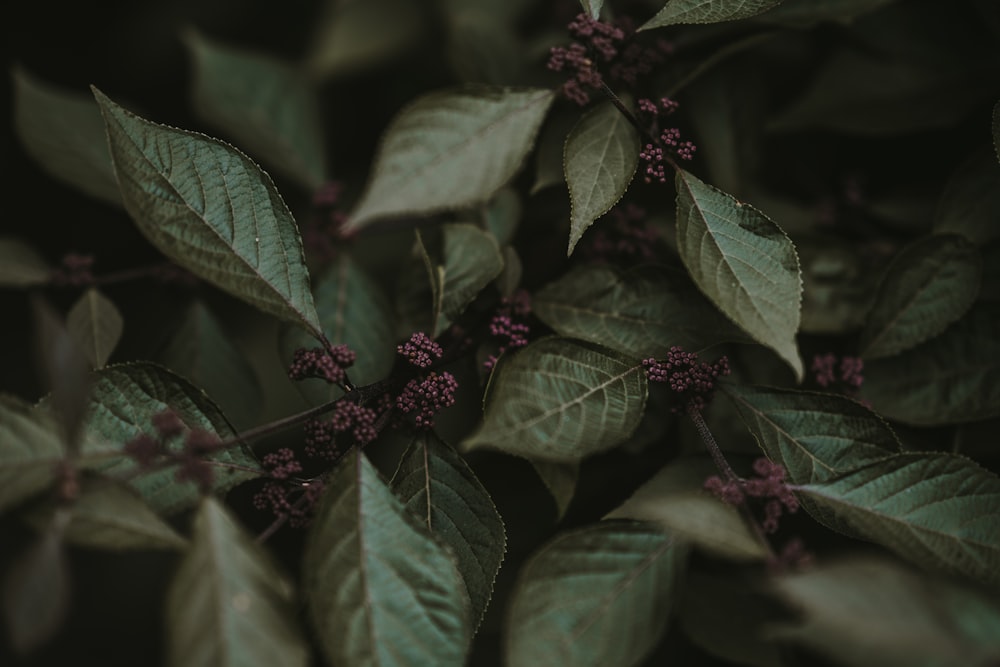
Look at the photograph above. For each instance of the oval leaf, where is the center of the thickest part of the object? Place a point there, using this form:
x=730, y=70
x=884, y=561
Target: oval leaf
x=437, y=486
x=599, y=160
x=96, y=325
x=228, y=604
x=707, y=11
x=265, y=105
x=451, y=149
x=21, y=265
x=937, y=510
x=815, y=436
x=210, y=209
x=954, y=377
x=928, y=286
x=743, y=262
x=560, y=479
x=471, y=260
x=600, y=595
x=64, y=133
x=559, y=399
x=30, y=450
x=642, y=312
x=382, y=591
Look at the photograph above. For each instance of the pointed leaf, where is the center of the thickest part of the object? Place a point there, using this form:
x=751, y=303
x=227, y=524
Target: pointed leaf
x=21, y=265
x=642, y=312
x=210, y=209
x=66, y=371
x=592, y=7
x=124, y=400
x=228, y=604
x=503, y=215
x=381, y=590
x=707, y=11
x=675, y=499
x=970, y=203
x=937, y=510
x=63, y=132
x=353, y=310
x=30, y=450
x=560, y=479
x=929, y=285
x=451, y=149
x=601, y=154
x=439, y=488
x=265, y=105
x=95, y=323
x=471, y=260
x=743, y=262
x=560, y=399
x=815, y=436
x=868, y=612
x=201, y=351
x=954, y=377
x=599, y=595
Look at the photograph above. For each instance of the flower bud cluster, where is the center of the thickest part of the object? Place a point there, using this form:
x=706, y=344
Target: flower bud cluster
x=146, y=450
x=769, y=484
x=420, y=350
x=851, y=371
x=508, y=327
x=347, y=417
x=625, y=238
x=426, y=397
x=692, y=380
x=328, y=364
x=324, y=232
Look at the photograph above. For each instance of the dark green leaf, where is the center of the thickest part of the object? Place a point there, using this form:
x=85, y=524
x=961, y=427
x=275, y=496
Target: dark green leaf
x=600, y=158
x=600, y=595
x=874, y=612
x=201, y=351
x=592, y=7
x=838, y=286
x=228, y=604
x=30, y=451
x=815, y=436
x=676, y=500
x=707, y=11
x=549, y=156
x=209, y=208
x=437, y=485
x=929, y=285
x=66, y=371
x=96, y=325
x=561, y=399
x=503, y=215
x=954, y=377
x=560, y=479
x=970, y=204
x=470, y=261
x=64, y=133
x=265, y=105
x=509, y=279
x=381, y=590
x=808, y=12
x=642, y=312
x=743, y=262
x=124, y=400
x=21, y=265
x=451, y=149
x=937, y=510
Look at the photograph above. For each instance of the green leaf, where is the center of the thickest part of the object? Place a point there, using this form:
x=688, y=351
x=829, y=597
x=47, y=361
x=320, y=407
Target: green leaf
x=838, y=286
x=21, y=265
x=675, y=499
x=202, y=351
x=470, y=261
x=743, y=262
x=30, y=450
x=353, y=310
x=228, y=604
x=560, y=479
x=210, y=209
x=707, y=11
x=803, y=13
x=816, y=436
x=451, y=149
x=600, y=158
x=265, y=105
x=970, y=204
x=929, y=285
x=642, y=312
x=109, y=516
x=936, y=510
x=96, y=325
x=124, y=399
x=600, y=595
x=503, y=215
x=954, y=377
x=592, y=7
x=549, y=154
x=438, y=486
x=560, y=399
x=381, y=590
x=874, y=612
x=63, y=132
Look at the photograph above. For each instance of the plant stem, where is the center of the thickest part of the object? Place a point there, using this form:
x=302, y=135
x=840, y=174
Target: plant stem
x=629, y=116
x=710, y=444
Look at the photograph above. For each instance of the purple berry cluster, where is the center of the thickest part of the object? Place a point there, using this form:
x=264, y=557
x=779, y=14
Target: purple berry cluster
x=692, y=380
x=508, y=327
x=656, y=156
x=325, y=231
x=147, y=450
x=296, y=502
x=420, y=350
x=347, y=417
x=318, y=362
x=74, y=270
x=426, y=397
x=850, y=375
x=768, y=484
x=627, y=240
x=599, y=44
